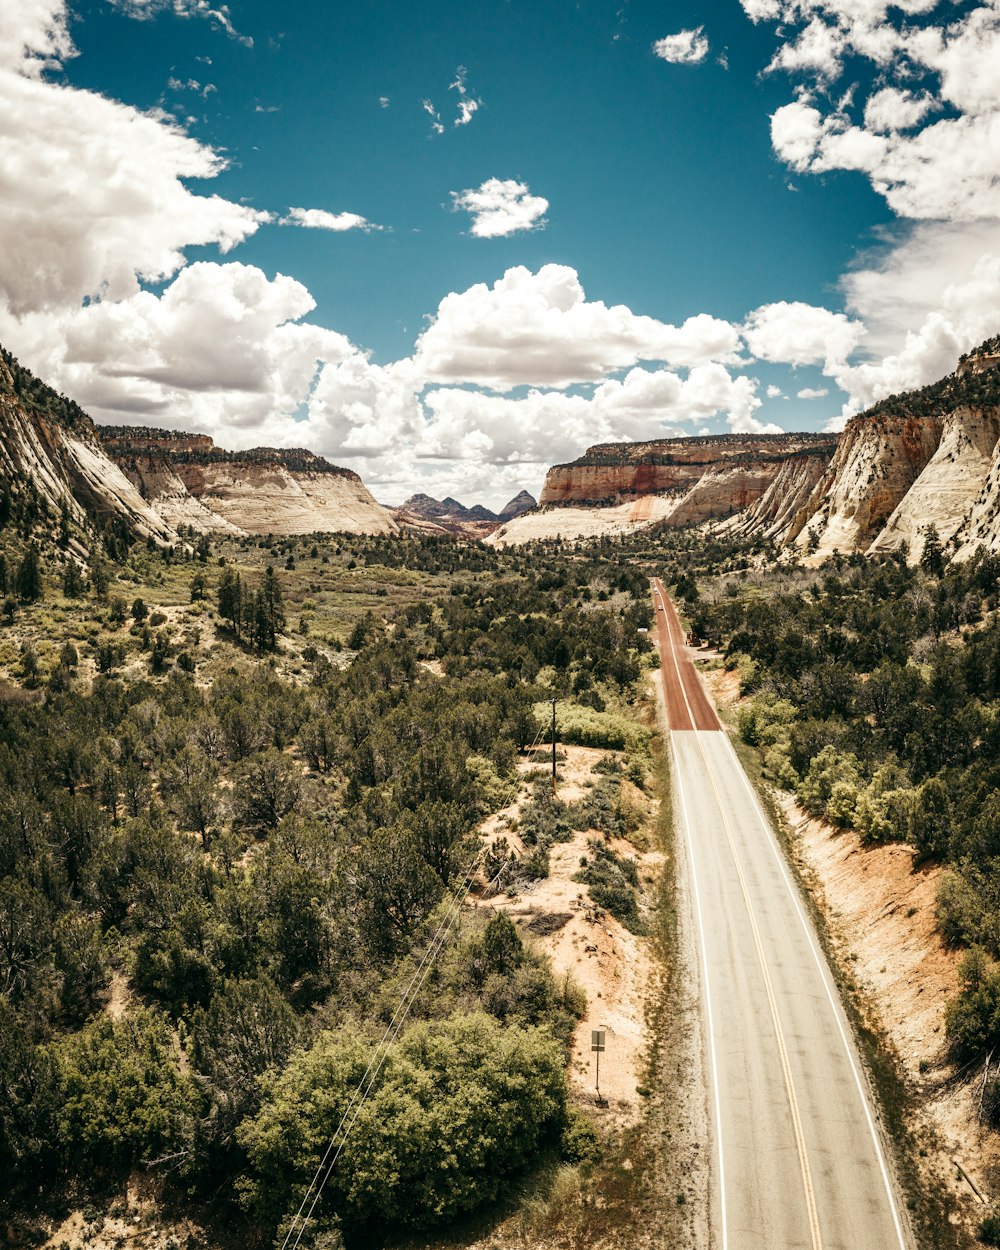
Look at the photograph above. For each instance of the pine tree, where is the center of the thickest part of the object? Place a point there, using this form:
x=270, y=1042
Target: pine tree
x=72, y=585
x=100, y=577
x=932, y=558
x=231, y=600
x=266, y=614
x=28, y=578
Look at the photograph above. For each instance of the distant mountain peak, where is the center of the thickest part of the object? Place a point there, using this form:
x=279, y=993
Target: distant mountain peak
x=522, y=502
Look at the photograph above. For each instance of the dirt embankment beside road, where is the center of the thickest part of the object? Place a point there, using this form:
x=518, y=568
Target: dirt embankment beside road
x=612, y=965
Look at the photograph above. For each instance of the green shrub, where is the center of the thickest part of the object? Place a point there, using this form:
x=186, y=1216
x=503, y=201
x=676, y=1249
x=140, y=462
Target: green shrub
x=764, y=721
x=972, y=1017
x=989, y=1231
x=831, y=786
x=960, y=911
x=460, y=1106
x=583, y=726
x=580, y=1143
x=124, y=1096
x=613, y=883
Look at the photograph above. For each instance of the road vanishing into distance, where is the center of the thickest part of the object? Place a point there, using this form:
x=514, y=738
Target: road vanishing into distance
x=797, y=1156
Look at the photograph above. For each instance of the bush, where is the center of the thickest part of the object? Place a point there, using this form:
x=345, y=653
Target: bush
x=125, y=1098
x=960, y=910
x=580, y=1143
x=972, y=1017
x=460, y=1106
x=613, y=882
x=764, y=721
x=831, y=786
x=585, y=727
x=989, y=1231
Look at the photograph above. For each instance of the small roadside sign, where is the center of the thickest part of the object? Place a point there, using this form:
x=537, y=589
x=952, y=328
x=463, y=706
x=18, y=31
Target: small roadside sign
x=598, y=1047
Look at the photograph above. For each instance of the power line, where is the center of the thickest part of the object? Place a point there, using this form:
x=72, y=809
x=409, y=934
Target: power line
x=391, y=1032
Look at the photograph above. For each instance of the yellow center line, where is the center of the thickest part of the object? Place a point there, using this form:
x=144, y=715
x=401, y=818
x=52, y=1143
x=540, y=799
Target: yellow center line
x=793, y=1102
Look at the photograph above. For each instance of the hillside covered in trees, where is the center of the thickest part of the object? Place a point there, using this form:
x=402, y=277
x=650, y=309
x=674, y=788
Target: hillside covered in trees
x=226, y=847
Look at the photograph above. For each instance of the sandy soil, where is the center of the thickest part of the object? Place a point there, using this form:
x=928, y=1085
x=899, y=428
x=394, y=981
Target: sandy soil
x=611, y=964
x=134, y=1222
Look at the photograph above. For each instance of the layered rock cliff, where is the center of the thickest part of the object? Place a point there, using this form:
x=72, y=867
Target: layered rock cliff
x=915, y=459
x=266, y=490
x=612, y=472
x=716, y=480
x=47, y=440
x=876, y=462
x=945, y=493
x=981, y=528
x=779, y=514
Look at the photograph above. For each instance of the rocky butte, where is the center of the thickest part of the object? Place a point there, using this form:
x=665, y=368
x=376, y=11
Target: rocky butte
x=267, y=490
x=425, y=513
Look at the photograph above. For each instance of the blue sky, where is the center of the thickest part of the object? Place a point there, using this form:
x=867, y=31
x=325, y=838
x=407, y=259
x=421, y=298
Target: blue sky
x=699, y=233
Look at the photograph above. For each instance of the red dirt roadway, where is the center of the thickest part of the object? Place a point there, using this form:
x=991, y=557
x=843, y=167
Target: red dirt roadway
x=680, y=677
x=799, y=1159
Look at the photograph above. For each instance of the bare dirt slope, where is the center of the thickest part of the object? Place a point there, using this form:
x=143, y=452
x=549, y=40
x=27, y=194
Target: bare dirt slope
x=611, y=964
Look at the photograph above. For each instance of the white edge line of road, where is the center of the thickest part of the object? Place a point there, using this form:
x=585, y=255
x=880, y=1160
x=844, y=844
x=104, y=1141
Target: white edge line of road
x=701, y=931
x=709, y=1021
x=825, y=976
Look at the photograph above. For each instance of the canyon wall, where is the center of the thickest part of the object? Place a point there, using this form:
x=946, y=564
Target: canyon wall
x=266, y=490
x=876, y=462
x=48, y=441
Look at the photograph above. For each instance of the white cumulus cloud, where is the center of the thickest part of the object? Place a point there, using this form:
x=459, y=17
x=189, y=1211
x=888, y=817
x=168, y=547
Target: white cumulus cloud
x=501, y=207
x=801, y=334
x=222, y=348
x=92, y=208
x=687, y=47
x=813, y=392
x=539, y=329
x=320, y=219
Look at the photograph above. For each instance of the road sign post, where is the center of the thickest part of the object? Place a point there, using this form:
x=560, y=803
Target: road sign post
x=597, y=1045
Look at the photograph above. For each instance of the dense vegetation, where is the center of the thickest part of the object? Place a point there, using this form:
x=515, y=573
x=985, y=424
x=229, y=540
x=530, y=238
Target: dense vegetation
x=218, y=872
x=876, y=699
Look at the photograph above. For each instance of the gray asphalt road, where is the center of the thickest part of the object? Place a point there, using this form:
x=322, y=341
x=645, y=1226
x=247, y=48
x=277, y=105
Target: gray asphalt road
x=798, y=1158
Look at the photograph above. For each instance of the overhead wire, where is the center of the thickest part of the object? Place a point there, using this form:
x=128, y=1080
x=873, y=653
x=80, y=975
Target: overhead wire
x=391, y=1032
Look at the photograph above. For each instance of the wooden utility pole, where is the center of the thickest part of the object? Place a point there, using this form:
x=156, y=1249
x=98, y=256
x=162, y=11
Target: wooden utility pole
x=553, y=747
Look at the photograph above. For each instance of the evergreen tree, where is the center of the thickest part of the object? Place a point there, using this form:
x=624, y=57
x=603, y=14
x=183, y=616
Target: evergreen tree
x=72, y=584
x=28, y=578
x=274, y=605
x=100, y=577
x=231, y=600
x=932, y=558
